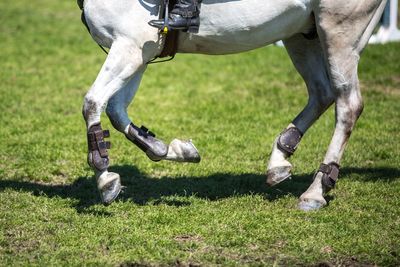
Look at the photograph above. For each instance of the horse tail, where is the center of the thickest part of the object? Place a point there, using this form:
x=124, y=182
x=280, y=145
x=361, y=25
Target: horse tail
x=80, y=3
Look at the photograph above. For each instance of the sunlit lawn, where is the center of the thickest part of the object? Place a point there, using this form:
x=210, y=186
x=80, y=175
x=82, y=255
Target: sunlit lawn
x=219, y=212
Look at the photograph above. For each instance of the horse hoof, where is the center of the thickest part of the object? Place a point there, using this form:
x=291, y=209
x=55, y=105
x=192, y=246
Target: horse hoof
x=278, y=174
x=183, y=151
x=310, y=205
x=110, y=190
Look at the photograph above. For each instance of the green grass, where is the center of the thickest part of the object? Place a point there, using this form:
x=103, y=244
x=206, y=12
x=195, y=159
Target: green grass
x=219, y=212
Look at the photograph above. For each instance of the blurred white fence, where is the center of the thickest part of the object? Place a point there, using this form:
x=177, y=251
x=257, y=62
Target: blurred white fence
x=388, y=30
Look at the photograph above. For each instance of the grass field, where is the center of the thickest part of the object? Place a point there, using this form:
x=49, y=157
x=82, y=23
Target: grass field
x=219, y=212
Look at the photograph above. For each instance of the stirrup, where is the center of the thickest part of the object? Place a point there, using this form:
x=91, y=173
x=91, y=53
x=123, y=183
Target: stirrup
x=164, y=29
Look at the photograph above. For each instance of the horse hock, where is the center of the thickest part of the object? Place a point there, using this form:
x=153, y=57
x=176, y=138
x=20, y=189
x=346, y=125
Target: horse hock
x=108, y=183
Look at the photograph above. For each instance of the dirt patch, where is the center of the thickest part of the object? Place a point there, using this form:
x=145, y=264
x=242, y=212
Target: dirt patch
x=188, y=238
x=393, y=89
x=18, y=243
x=135, y=264
x=349, y=262
x=326, y=250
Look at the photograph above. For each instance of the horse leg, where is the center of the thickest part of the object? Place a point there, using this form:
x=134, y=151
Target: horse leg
x=181, y=151
x=117, y=105
x=307, y=57
x=343, y=34
x=122, y=62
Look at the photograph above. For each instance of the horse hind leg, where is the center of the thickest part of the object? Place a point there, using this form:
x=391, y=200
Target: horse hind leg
x=155, y=149
x=342, y=51
x=307, y=57
x=122, y=62
x=117, y=105
x=117, y=112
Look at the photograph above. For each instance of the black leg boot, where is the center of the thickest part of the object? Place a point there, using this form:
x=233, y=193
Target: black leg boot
x=184, y=16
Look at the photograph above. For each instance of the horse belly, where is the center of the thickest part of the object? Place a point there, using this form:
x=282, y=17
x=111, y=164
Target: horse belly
x=237, y=26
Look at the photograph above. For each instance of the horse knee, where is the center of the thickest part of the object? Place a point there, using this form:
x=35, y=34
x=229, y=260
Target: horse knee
x=91, y=109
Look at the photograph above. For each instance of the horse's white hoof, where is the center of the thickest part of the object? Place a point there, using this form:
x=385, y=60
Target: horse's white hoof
x=311, y=204
x=183, y=151
x=311, y=201
x=278, y=174
x=109, y=185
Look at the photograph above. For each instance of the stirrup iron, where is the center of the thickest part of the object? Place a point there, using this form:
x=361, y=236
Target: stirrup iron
x=164, y=29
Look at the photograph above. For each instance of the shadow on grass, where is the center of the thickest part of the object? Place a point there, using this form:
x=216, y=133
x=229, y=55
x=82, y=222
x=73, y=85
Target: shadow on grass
x=143, y=190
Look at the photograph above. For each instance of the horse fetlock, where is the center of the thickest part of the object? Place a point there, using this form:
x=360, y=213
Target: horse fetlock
x=330, y=174
x=183, y=151
x=96, y=162
x=289, y=139
x=155, y=149
x=97, y=147
x=109, y=185
x=324, y=180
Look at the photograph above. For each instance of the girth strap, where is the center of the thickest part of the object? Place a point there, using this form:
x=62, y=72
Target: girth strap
x=330, y=174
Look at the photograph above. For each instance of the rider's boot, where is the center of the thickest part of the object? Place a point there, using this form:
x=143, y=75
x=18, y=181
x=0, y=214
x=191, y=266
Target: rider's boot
x=184, y=16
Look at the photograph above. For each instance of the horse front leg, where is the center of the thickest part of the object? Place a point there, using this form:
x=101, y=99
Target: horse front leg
x=307, y=57
x=122, y=62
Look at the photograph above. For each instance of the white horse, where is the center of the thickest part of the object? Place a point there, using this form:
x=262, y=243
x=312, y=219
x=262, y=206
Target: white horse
x=324, y=39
